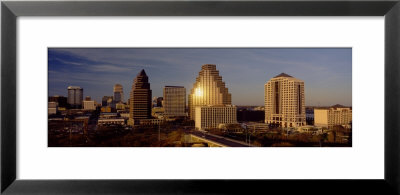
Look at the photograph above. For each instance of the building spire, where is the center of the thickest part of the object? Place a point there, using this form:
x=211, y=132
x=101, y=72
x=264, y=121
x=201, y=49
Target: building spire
x=142, y=73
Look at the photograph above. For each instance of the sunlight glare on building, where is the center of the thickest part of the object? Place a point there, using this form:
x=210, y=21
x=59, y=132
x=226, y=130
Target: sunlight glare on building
x=199, y=92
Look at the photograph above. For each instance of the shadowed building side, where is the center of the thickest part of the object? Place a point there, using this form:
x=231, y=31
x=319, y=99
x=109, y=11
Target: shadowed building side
x=174, y=101
x=140, y=99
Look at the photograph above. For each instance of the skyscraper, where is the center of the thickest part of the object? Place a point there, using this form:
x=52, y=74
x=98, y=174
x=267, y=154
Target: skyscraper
x=210, y=101
x=75, y=96
x=284, y=101
x=140, y=99
x=209, y=89
x=174, y=100
x=118, y=93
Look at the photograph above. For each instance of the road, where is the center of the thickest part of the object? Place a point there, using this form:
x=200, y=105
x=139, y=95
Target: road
x=218, y=139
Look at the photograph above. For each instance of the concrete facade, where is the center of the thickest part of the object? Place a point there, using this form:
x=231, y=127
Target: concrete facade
x=212, y=116
x=285, y=101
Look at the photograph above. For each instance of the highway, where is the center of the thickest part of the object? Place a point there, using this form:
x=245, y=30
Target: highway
x=218, y=139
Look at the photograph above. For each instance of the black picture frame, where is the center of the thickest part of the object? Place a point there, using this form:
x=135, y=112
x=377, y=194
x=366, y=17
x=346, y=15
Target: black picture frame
x=11, y=10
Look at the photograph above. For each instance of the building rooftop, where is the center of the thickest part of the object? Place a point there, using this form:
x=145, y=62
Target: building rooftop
x=175, y=86
x=74, y=87
x=209, y=67
x=282, y=75
x=142, y=73
x=338, y=106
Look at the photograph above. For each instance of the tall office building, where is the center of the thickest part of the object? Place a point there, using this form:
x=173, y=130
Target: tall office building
x=284, y=101
x=118, y=93
x=174, y=101
x=209, y=89
x=210, y=101
x=75, y=96
x=140, y=99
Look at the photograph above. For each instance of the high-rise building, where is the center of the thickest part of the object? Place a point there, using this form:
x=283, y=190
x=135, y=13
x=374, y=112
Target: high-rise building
x=212, y=116
x=89, y=105
x=210, y=101
x=284, y=101
x=174, y=101
x=75, y=96
x=209, y=89
x=140, y=99
x=332, y=116
x=118, y=93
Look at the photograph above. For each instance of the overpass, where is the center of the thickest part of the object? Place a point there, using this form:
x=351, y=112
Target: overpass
x=215, y=140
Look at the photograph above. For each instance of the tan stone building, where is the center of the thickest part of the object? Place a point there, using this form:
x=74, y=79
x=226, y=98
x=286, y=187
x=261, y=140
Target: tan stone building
x=285, y=101
x=89, y=105
x=212, y=116
x=329, y=117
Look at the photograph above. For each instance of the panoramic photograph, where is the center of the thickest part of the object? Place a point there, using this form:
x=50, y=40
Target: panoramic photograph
x=199, y=97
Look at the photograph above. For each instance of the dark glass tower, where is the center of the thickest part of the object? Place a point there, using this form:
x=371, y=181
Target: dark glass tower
x=140, y=99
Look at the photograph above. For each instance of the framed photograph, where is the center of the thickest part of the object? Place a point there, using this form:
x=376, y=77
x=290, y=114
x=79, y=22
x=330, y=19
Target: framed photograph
x=133, y=97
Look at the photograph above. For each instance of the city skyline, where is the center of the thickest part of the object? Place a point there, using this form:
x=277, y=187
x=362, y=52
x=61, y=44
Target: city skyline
x=325, y=71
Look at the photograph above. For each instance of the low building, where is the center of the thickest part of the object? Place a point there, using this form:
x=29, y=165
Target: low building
x=52, y=108
x=120, y=106
x=310, y=129
x=158, y=112
x=111, y=121
x=256, y=127
x=150, y=121
x=212, y=116
x=124, y=114
x=89, y=105
x=332, y=116
x=231, y=127
x=108, y=115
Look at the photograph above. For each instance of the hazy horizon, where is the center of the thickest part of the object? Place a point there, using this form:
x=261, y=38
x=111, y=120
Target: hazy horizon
x=326, y=72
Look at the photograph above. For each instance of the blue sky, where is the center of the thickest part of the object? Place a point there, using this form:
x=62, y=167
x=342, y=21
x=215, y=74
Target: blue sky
x=325, y=71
